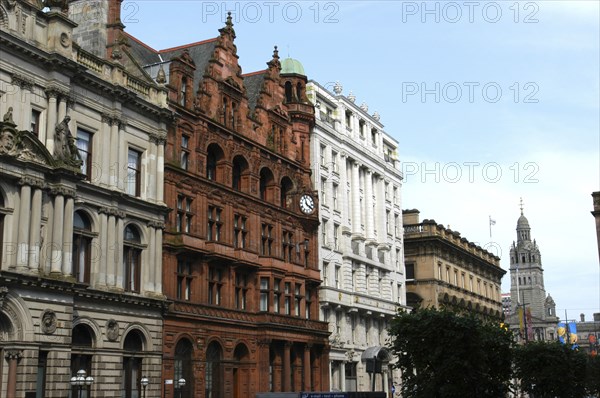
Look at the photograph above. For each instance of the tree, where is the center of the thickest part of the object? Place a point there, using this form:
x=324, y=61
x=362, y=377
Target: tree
x=593, y=375
x=550, y=370
x=445, y=355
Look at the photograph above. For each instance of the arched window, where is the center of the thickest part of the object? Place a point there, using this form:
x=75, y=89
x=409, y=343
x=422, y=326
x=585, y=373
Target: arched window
x=214, y=155
x=266, y=180
x=288, y=92
x=183, y=368
x=212, y=378
x=286, y=187
x=132, y=364
x=241, y=371
x=132, y=258
x=299, y=91
x=82, y=343
x=240, y=167
x=82, y=247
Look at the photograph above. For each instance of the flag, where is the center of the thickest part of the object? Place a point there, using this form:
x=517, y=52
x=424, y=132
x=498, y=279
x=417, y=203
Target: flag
x=492, y=222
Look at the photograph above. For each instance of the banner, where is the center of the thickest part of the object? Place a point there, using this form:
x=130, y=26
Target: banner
x=567, y=334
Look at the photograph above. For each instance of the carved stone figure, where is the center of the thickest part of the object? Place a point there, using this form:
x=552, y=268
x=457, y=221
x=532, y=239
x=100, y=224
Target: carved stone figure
x=112, y=330
x=8, y=116
x=65, y=149
x=48, y=323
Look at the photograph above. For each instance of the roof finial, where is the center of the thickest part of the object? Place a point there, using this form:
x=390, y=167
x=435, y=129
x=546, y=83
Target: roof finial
x=276, y=53
x=521, y=205
x=229, y=23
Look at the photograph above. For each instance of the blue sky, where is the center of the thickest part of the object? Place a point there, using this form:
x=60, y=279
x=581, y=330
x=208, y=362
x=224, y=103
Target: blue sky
x=490, y=102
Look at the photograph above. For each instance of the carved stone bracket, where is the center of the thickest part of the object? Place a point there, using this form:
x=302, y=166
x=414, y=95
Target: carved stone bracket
x=13, y=354
x=158, y=139
x=156, y=224
x=112, y=212
x=64, y=191
x=22, y=81
x=33, y=182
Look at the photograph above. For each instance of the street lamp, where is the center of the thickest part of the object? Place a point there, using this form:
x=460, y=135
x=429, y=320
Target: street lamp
x=144, y=382
x=180, y=384
x=81, y=380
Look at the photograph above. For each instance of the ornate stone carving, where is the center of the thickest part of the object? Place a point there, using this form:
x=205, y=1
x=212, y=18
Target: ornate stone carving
x=13, y=354
x=62, y=190
x=156, y=224
x=337, y=89
x=22, y=81
x=112, y=212
x=3, y=293
x=161, y=77
x=112, y=330
x=351, y=97
x=48, y=322
x=32, y=181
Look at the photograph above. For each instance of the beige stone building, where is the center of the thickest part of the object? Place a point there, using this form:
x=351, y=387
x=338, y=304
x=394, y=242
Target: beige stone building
x=81, y=207
x=445, y=270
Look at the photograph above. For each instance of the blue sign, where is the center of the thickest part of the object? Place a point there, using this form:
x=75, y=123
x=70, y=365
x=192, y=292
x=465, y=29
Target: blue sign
x=323, y=395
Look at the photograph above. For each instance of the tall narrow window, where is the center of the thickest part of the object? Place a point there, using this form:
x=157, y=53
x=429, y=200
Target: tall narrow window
x=287, y=300
x=184, y=279
x=287, y=246
x=133, y=172
x=215, y=284
x=264, y=294
x=185, y=151
x=132, y=365
x=183, y=94
x=183, y=368
x=132, y=254
x=266, y=240
x=40, y=382
x=277, y=295
x=297, y=298
x=240, y=233
x=84, y=147
x=308, y=303
x=35, y=122
x=214, y=224
x=334, y=196
x=336, y=237
x=184, y=214
x=82, y=247
x=241, y=290
x=211, y=166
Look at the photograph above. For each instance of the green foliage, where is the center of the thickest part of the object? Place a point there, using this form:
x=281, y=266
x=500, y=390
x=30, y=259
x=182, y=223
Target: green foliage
x=593, y=375
x=445, y=355
x=551, y=370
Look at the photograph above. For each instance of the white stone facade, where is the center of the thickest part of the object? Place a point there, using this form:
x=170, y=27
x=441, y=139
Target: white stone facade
x=81, y=213
x=356, y=172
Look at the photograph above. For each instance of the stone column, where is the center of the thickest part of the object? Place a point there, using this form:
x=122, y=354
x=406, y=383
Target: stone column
x=287, y=376
x=51, y=119
x=115, y=167
x=12, y=357
x=148, y=267
x=35, y=230
x=343, y=197
x=160, y=170
x=67, y=265
x=104, y=244
x=369, y=216
x=307, y=369
x=355, y=189
x=111, y=251
x=381, y=210
x=385, y=381
x=158, y=251
x=24, y=222
x=342, y=379
x=120, y=282
x=106, y=167
x=62, y=106
x=57, y=236
x=263, y=365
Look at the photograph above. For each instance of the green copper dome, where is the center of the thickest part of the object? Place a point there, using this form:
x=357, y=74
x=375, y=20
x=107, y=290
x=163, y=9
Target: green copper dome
x=291, y=66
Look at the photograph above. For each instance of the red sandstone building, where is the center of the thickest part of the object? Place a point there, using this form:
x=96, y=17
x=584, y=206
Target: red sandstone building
x=240, y=255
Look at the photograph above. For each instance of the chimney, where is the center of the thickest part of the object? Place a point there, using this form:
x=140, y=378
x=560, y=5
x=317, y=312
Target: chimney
x=99, y=25
x=582, y=316
x=597, y=317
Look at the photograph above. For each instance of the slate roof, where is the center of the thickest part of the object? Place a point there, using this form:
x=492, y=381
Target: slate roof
x=253, y=83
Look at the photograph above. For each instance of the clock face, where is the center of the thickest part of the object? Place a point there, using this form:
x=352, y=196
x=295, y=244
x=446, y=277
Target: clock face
x=307, y=204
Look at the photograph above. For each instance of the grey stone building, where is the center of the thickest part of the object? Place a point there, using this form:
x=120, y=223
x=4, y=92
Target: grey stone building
x=81, y=207
x=356, y=172
x=533, y=312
